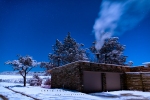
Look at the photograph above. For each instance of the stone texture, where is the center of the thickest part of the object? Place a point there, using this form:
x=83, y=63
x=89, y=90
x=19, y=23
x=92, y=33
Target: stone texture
x=70, y=76
x=138, y=81
x=140, y=69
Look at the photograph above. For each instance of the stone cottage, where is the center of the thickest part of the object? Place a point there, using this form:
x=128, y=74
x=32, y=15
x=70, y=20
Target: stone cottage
x=89, y=77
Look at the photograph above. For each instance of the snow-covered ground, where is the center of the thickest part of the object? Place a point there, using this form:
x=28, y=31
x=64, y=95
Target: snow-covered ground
x=62, y=94
x=18, y=77
x=12, y=95
x=40, y=73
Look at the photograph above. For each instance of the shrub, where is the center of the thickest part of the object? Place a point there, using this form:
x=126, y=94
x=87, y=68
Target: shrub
x=47, y=82
x=35, y=81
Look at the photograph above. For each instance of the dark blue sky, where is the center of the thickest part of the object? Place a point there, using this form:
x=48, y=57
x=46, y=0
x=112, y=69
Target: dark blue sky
x=30, y=27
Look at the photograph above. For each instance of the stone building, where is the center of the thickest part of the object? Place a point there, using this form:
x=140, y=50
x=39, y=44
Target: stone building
x=89, y=77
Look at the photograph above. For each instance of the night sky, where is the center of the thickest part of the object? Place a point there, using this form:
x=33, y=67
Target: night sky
x=31, y=27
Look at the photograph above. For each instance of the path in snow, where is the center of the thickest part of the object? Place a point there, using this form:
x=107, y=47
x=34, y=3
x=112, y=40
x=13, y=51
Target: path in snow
x=12, y=95
x=22, y=93
x=43, y=94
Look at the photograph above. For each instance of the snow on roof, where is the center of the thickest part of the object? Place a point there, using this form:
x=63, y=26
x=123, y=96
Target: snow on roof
x=138, y=72
x=145, y=63
x=81, y=61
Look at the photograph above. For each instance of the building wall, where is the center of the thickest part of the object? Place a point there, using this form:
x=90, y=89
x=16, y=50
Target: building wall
x=71, y=76
x=67, y=77
x=138, y=81
x=140, y=69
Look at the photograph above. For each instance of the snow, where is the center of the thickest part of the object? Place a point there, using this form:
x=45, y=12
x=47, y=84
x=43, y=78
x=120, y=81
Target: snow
x=138, y=72
x=11, y=95
x=45, y=94
x=18, y=77
x=146, y=64
x=125, y=95
x=63, y=94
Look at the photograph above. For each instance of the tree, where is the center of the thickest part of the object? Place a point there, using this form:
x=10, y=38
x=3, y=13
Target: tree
x=23, y=65
x=67, y=52
x=47, y=65
x=73, y=51
x=56, y=56
x=130, y=63
x=110, y=53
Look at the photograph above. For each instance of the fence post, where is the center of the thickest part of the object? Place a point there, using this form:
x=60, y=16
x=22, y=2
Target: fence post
x=142, y=82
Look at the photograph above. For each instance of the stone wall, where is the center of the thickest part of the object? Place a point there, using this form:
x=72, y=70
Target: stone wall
x=70, y=76
x=140, y=69
x=138, y=81
x=103, y=67
x=67, y=76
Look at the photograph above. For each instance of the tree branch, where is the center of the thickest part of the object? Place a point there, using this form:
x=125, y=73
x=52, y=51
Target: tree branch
x=29, y=70
x=21, y=73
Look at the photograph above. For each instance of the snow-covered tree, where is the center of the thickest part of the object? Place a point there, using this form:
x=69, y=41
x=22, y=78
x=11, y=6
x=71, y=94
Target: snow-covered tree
x=73, y=51
x=56, y=56
x=130, y=63
x=111, y=52
x=67, y=52
x=23, y=65
x=47, y=65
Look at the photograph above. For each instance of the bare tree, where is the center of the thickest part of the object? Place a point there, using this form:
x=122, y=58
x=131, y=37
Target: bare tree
x=23, y=65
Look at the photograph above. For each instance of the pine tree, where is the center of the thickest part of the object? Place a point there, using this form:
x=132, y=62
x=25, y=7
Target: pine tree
x=111, y=52
x=73, y=51
x=56, y=56
x=67, y=52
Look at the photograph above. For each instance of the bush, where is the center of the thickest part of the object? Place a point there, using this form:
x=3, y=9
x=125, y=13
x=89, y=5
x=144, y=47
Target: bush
x=47, y=82
x=35, y=81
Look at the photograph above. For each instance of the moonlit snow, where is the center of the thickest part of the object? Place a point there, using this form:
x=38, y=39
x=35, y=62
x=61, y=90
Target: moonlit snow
x=62, y=94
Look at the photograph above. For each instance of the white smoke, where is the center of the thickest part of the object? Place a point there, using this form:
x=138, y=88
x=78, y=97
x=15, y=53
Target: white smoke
x=118, y=16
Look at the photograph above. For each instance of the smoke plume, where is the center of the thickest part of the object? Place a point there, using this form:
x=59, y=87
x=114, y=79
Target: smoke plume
x=118, y=16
